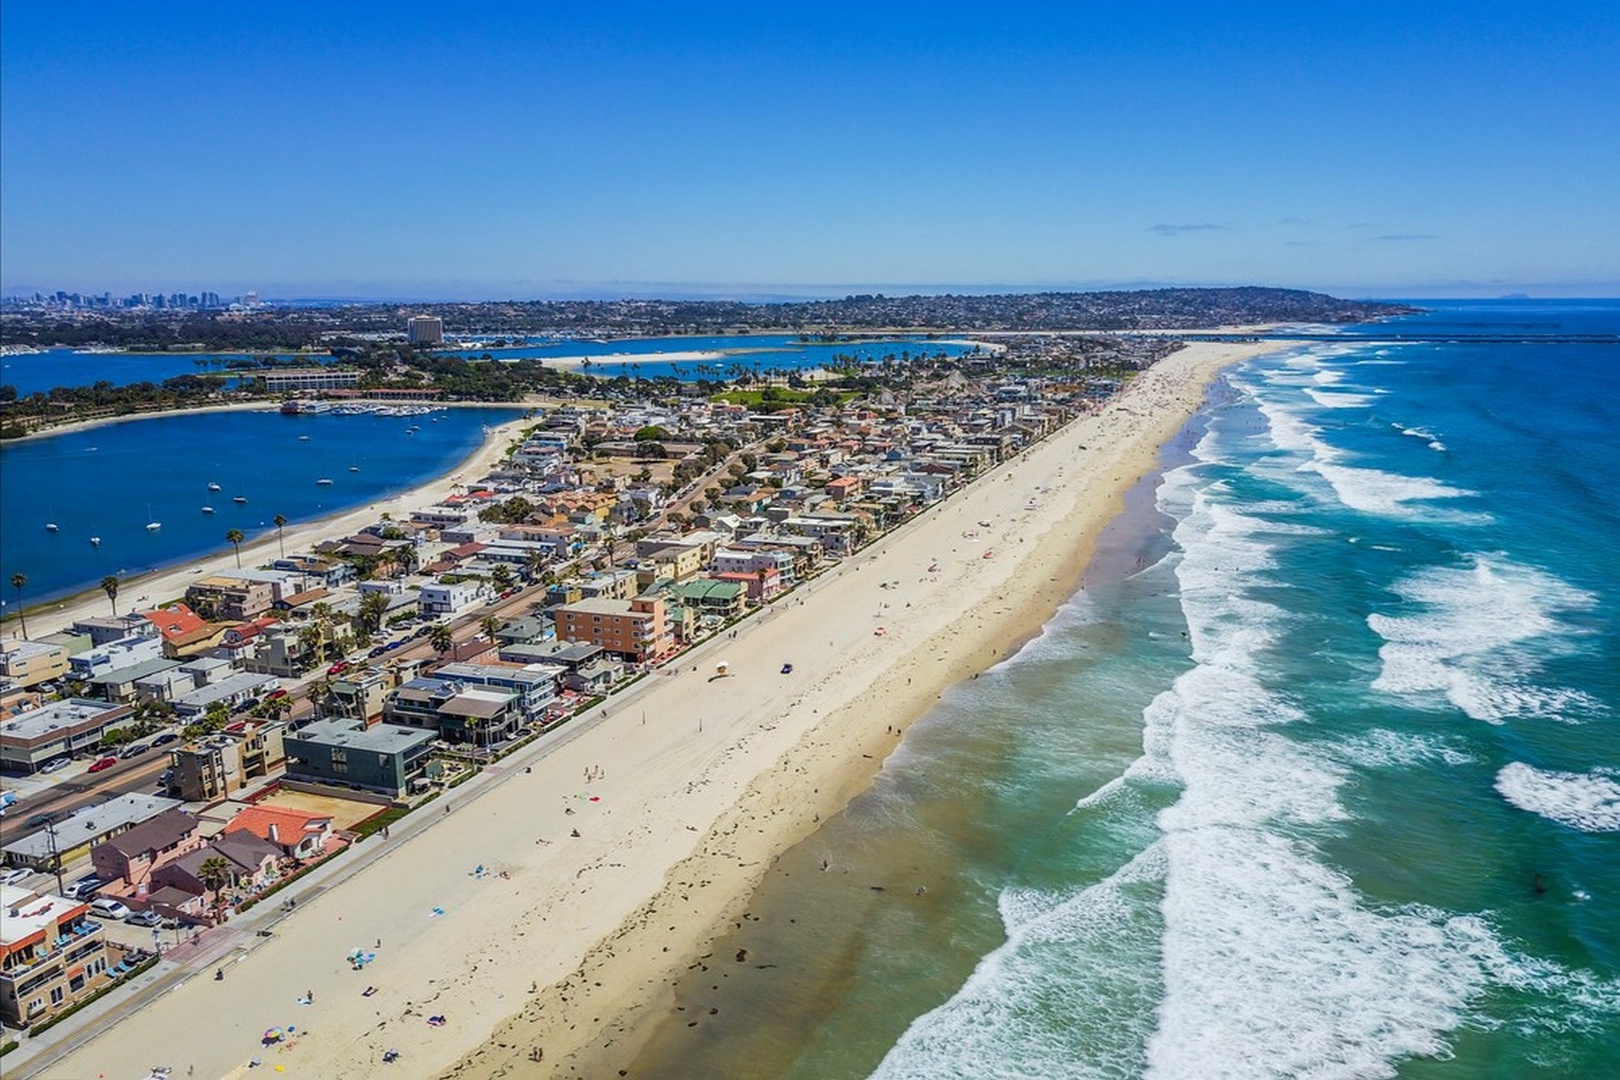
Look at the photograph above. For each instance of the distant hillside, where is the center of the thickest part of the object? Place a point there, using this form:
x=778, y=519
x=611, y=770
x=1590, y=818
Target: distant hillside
x=1117, y=310
x=285, y=326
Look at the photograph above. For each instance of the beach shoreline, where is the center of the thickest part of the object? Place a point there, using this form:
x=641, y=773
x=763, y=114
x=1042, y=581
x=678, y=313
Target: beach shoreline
x=169, y=582
x=694, y=783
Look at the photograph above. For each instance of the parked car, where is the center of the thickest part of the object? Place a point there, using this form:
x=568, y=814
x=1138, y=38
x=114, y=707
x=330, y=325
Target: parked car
x=165, y=739
x=374, y=653
x=41, y=819
x=14, y=875
x=338, y=668
x=55, y=763
x=274, y=694
x=84, y=888
x=144, y=918
x=135, y=750
x=102, y=763
x=112, y=909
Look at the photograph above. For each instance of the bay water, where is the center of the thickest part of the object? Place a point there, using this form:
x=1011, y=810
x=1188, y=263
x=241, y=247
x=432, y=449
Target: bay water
x=1317, y=776
x=110, y=482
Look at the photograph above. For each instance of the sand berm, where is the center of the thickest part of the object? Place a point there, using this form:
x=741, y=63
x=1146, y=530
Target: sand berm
x=564, y=945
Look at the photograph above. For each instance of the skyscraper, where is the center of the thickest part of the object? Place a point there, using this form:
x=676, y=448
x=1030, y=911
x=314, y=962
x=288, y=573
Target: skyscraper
x=425, y=329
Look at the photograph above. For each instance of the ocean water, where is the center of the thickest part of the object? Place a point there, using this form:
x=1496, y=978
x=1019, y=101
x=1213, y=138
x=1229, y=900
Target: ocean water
x=111, y=481
x=1318, y=776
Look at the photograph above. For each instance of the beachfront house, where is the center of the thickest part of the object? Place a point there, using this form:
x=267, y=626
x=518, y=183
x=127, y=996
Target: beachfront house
x=300, y=834
x=470, y=714
x=535, y=689
x=52, y=954
x=636, y=630
x=385, y=758
x=129, y=859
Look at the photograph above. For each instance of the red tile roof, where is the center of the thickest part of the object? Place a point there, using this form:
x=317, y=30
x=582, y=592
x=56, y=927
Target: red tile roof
x=291, y=825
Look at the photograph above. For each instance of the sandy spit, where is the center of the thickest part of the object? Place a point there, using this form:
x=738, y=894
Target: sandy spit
x=564, y=944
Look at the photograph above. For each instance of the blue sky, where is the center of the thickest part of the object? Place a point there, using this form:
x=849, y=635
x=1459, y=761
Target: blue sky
x=447, y=151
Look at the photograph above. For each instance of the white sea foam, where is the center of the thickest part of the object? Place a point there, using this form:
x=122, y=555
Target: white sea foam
x=1372, y=491
x=1257, y=960
x=1375, y=491
x=1471, y=636
x=1273, y=965
x=1422, y=433
x=1587, y=801
x=1392, y=749
x=1019, y=1014
x=1338, y=399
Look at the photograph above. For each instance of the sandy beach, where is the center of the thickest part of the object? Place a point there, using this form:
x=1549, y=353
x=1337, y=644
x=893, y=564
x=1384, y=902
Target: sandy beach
x=630, y=358
x=565, y=943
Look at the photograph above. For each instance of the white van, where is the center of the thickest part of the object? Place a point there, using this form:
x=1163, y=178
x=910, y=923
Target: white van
x=112, y=909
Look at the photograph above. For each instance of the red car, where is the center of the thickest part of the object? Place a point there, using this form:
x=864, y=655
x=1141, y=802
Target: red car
x=272, y=695
x=104, y=763
x=338, y=668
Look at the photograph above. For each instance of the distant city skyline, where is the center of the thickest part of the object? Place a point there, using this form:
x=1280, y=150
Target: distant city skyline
x=761, y=152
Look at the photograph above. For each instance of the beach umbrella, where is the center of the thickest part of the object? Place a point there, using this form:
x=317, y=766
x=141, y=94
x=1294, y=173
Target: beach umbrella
x=272, y=1035
x=722, y=666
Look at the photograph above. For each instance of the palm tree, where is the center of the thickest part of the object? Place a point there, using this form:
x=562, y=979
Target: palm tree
x=440, y=639
x=370, y=612
x=502, y=576
x=312, y=641
x=234, y=538
x=214, y=873
x=281, y=522
x=489, y=624
x=109, y=585
x=17, y=582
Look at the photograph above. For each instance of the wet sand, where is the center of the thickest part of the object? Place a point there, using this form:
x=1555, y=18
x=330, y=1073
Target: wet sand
x=568, y=944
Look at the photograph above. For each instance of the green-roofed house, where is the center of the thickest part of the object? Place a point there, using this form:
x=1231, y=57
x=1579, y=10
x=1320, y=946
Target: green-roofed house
x=707, y=597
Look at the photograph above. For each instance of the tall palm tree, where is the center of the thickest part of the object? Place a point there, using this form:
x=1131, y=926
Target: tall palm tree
x=371, y=610
x=109, y=585
x=214, y=873
x=281, y=522
x=440, y=639
x=234, y=538
x=489, y=624
x=17, y=582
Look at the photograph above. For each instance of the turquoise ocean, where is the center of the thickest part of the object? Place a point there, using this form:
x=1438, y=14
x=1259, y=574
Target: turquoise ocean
x=1317, y=776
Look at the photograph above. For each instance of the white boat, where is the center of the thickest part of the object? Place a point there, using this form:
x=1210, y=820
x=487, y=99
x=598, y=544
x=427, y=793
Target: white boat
x=324, y=481
x=238, y=499
x=303, y=438
x=50, y=526
x=208, y=509
x=213, y=487
x=354, y=468
x=95, y=541
x=153, y=526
